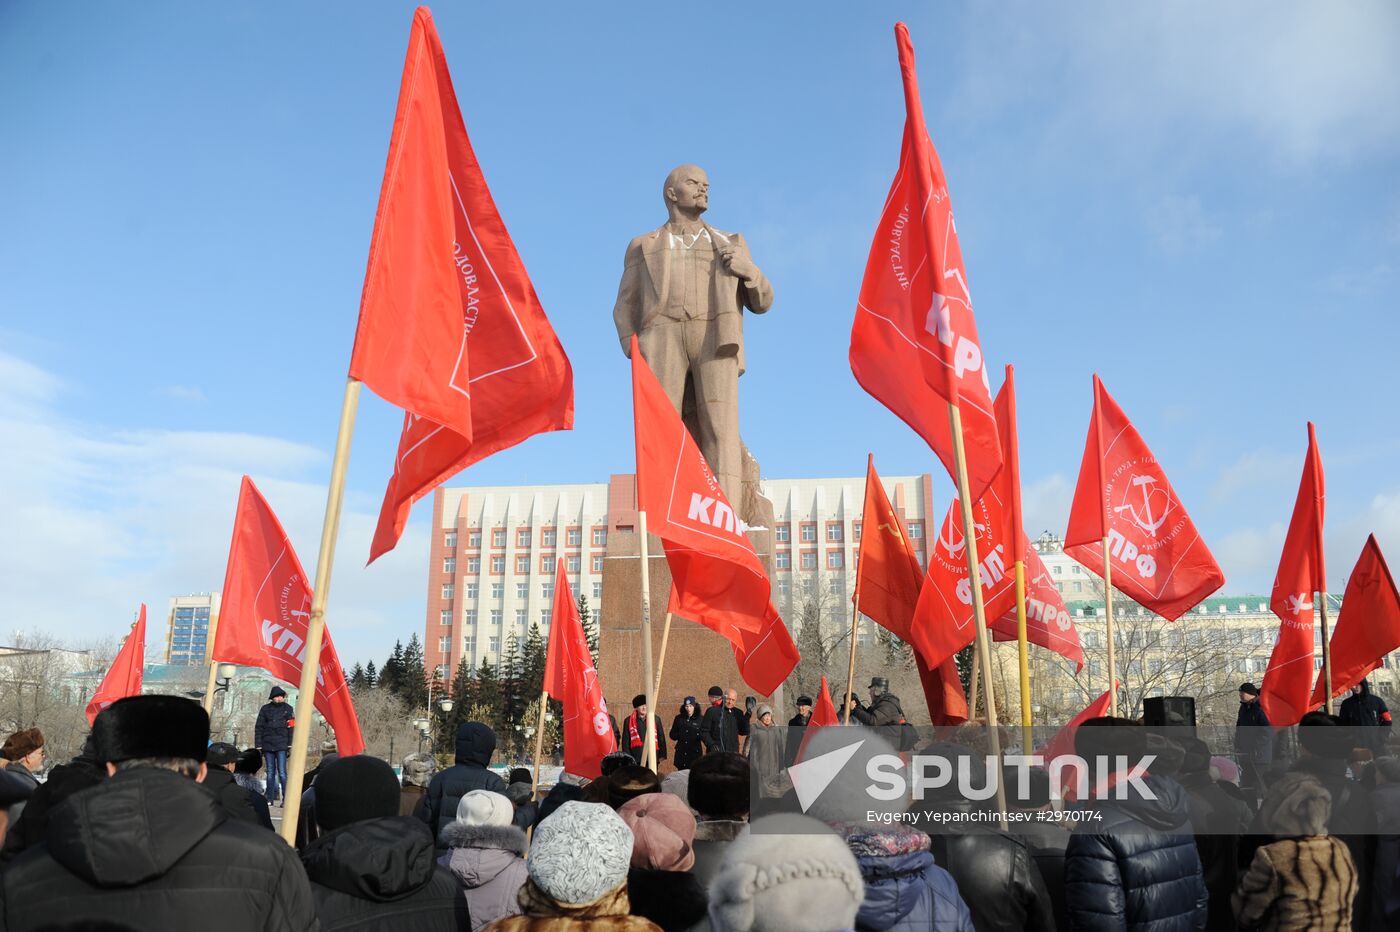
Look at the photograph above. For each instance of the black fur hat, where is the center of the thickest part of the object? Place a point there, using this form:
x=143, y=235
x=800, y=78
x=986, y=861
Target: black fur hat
x=151, y=726
x=719, y=785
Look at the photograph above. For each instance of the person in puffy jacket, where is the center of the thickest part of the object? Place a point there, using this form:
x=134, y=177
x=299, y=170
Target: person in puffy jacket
x=1131, y=865
x=372, y=868
x=475, y=745
x=272, y=734
x=685, y=734
x=486, y=853
x=905, y=889
x=148, y=848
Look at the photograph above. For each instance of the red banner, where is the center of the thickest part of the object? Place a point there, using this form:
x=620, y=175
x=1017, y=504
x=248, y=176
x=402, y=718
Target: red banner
x=824, y=715
x=571, y=677
x=1368, y=625
x=1048, y=622
x=125, y=674
x=914, y=343
x=1285, y=692
x=1159, y=558
x=888, y=576
x=444, y=277
x=264, y=613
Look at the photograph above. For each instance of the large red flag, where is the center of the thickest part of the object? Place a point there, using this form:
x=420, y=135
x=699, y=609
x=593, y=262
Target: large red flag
x=888, y=579
x=766, y=656
x=264, y=613
x=1048, y=621
x=1368, y=625
x=444, y=277
x=718, y=579
x=124, y=675
x=1160, y=560
x=571, y=677
x=1062, y=744
x=823, y=715
x=1284, y=694
x=914, y=343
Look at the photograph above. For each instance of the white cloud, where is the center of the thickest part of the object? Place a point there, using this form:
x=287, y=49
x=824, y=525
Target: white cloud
x=1181, y=225
x=188, y=393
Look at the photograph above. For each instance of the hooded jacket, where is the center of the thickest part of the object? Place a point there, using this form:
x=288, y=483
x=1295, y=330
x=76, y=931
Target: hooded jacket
x=153, y=850
x=475, y=745
x=381, y=874
x=1134, y=867
x=904, y=889
x=488, y=862
x=996, y=874
x=237, y=801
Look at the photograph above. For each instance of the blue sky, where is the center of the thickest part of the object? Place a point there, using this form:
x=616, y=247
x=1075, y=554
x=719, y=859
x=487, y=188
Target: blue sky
x=1199, y=204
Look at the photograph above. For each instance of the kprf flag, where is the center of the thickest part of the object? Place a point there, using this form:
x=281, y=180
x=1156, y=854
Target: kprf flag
x=450, y=327
x=1287, y=685
x=124, y=675
x=1048, y=621
x=717, y=577
x=1368, y=625
x=1062, y=744
x=824, y=714
x=571, y=677
x=914, y=343
x=265, y=610
x=1159, y=559
x=888, y=579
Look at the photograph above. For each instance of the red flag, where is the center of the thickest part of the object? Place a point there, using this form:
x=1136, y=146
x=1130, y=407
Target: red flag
x=914, y=344
x=823, y=715
x=718, y=579
x=1062, y=744
x=765, y=657
x=124, y=676
x=1160, y=560
x=1285, y=690
x=943, y=691
x=1368, y=625
x=571, y=677
x=264, y=613
x=445, y=277
x=1048, y=621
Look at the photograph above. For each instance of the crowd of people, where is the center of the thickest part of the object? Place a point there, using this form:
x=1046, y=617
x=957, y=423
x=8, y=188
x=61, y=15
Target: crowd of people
x=153, y=826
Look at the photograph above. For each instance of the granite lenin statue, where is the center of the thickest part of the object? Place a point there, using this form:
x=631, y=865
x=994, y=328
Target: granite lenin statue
x=684, y=289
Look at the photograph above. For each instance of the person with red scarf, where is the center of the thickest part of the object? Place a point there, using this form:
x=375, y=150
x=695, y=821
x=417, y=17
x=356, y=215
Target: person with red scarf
x=634, y=730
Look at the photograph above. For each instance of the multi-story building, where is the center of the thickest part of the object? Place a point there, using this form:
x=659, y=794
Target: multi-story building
x=492, y=560
x=187, y=628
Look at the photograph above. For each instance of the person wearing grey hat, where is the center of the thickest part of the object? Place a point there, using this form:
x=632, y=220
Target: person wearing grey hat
x=884, y=712
x=221, y=759
x=149, y=848
x=765, y=753
x=418, y=769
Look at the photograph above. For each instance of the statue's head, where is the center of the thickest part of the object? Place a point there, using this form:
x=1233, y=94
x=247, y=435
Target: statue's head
x=687, y=191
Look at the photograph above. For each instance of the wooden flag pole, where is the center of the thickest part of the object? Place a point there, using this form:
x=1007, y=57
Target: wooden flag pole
x=648, y=740
x=1108, y=630
x=851, y=665
x=1023, y=655
x=316, y=624
x=656, y=690
x=539, y=746
x=973, y=683
x=979, y=611
x=1326, y=653
x=213, y=665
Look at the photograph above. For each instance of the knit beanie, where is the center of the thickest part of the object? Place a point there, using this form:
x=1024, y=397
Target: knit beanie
x=719, y=785
x=580, y=853
x=1297, y=804
x=151, y=726
x=23, y=743
x=789, y=874
x=483, y=807
x=664, y=832
x=1222, y=768
x=627, y=783
x=353, y=789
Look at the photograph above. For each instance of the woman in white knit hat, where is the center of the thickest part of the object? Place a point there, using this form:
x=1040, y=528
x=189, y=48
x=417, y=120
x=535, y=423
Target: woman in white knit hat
x=486, y=853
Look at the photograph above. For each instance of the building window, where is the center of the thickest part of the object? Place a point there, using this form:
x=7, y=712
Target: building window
x=1075, y=569
x=474, y=539
x=496, y=616
x=522, y=538
x=855, y=531
x=1057, y=569
x=782, y=533
x=498, y=566
x=522, y=566
x=548, y=590
x=835, y=534
x=574, y=537
x=916, y=530
x=544, y=616
x=445, y=644
x=522, y=590
x=469, y=617
x=498, y=589
x=784, y=586
x=472, y=590
x=468, y=646
x=597, y=563
x=835, y=587
x=549, y=537
x=782, y=560
x=520, y=616
x=448, y=590
x=498, y=537
x=1078, y=587
x=600, y=537
x=495, y=644
x=474, y=565
x=445, y=617
x=547, y=564
x=573, y=562
x=597, y=591
x=835, y=560
x=809, y=559
x=449, y=565
x=809, y=533
x=449, y=540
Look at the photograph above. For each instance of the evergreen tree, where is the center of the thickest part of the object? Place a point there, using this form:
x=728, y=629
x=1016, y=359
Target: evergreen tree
x=513, y=699
x=391, y=674
x=413, y=683
x=488, y=694
x=964, y=660
x=371, y=675
x=532, y=674
x=357, y=677
x=463, y=695
x=590, y=627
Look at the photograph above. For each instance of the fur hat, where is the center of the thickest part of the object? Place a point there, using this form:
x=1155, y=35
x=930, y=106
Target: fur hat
x=627, y=783
x=804, y=700
x=418, y=769
x=250, y=761
x=1249, y=689
x=353, y=789
x=220, y=754
x=1297, y=804
x=638, y=701
x=151, y=726
x=789, y=874
x=614, y=761
x=1323, y=735
x=664, y=832
x=276, y=691
x=580, y=853
x=719, y=785
x=483, y=807
x=23, y=743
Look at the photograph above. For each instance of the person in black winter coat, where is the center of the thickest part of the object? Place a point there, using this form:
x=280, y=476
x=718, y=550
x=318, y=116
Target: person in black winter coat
x=272, y=734
x=685, y=734
x=240, y=803
x=372, y=868
x=1216, y=819
x=719, y=729
x=475, y=745
x=1132, y=865
x=1254, y=739
x=63, y=781
x=1368, y=717
x=149, y=848
x=797, y=727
